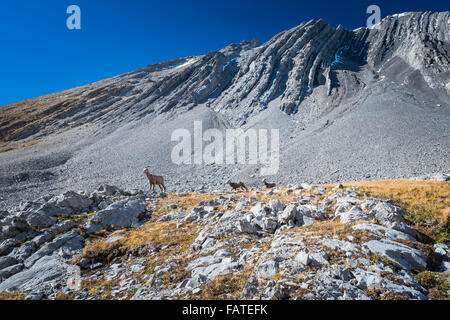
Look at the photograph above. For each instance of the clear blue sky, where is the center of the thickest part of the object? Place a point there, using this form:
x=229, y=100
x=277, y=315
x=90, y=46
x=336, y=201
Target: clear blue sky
x=39, y=55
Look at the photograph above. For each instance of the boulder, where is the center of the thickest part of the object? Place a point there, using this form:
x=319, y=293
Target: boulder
x=245, y=226
x=319, y=258
x=227, y=225
x=7, y=261
x=40, y=221
x=288, y=215
x=250, y=289
x=8, y=232
x=46, y=269
x=275, y=205
x=259, y=209
x=440, y=249
x=208, y=268
x=269, y=224
x=407, y=257
x=71, y=200
x=386, y=212
x=7, y=246
x=42, y=238
x=201, y=238
x=383, y=231
x=301, y=219
x=303, y=258
x=28, y=206
x=305, y=221
x=62, y=227
x=70, y=241
x=178, y=215
x=52, y=210
x=24, y=251
x=123, y=213
x=353, y=215
x=104, y=204
x=391, y=216
x=10, y=271
x=441, y=176
x=268, y=269
x=445, y=266
x=20, y=224
x=107, y=190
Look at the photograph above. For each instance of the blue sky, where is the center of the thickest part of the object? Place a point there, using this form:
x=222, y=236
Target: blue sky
x=39, y=55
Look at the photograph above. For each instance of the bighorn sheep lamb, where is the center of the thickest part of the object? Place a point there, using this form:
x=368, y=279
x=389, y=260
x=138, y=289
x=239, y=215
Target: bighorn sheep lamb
x=155, y=180
x=269, y=185
x=236, y=186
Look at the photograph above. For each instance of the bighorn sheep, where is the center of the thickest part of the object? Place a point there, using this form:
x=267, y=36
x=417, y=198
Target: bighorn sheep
x=269, y=185
x=155, y=180
x=236, y=186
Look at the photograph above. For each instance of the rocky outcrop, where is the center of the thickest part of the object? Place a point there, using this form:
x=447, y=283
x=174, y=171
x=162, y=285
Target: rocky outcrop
x=123, y=214
x=339, y=244
x=39, y=239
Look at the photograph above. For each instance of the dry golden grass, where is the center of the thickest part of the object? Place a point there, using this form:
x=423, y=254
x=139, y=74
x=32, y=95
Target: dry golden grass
x=30, y=143
x=226, y=287
x=12, y=296
x=189, y=201
x=20, y=118
x=141, y=242
x=428, y=203
x=330, y=229
x=151, y=235
x=6, y=149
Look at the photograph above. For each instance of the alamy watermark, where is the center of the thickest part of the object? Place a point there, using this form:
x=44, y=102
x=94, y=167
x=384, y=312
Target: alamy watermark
x=375, y=17
x=242, y=147
x=73, y=22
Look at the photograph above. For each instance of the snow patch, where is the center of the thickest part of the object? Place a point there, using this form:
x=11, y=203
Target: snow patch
x=228, y=63
x=178, y=65
x=399, y=15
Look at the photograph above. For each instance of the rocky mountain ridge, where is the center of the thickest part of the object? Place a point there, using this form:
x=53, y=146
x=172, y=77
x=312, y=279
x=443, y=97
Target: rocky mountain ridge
x=384, y=86
x=366, y=104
